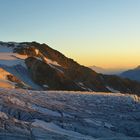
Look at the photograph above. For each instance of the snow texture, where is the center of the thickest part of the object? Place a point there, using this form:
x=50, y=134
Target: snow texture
x=68, y=115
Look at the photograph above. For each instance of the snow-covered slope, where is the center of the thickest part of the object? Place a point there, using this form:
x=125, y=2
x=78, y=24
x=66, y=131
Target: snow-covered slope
x=65, y=115
x=14, y=64
x=4, y=82
x=8, y=57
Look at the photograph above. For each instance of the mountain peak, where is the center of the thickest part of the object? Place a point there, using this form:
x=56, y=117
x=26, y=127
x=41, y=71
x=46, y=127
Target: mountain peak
x=38, y=66
x=138, y=67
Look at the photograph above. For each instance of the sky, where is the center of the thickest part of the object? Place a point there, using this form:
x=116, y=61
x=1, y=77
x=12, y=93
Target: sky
x=104, y=33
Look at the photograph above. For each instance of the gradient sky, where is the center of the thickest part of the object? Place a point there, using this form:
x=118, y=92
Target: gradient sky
x=105, y=33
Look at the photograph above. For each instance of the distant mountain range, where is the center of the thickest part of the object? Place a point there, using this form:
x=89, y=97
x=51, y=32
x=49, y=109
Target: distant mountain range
x=108, y=71
x=32, y=65
x=133, y=74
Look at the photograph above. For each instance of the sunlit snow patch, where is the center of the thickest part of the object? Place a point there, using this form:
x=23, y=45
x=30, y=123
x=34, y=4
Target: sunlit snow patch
x=112, y=90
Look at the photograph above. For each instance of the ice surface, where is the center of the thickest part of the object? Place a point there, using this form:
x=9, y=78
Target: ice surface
x=69, y=115
x=58, y=130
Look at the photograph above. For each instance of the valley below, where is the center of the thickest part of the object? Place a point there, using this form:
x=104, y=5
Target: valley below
x=68, y=115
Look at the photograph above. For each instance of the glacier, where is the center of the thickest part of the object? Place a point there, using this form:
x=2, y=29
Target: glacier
x=68, y=115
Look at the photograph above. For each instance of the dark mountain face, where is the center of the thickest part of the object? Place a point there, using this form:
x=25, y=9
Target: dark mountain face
x=44, y=74
x=50, y=70
x=133, y=74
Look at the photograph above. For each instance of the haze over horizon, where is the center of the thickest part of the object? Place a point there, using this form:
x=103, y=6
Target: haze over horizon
x=104, y=33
